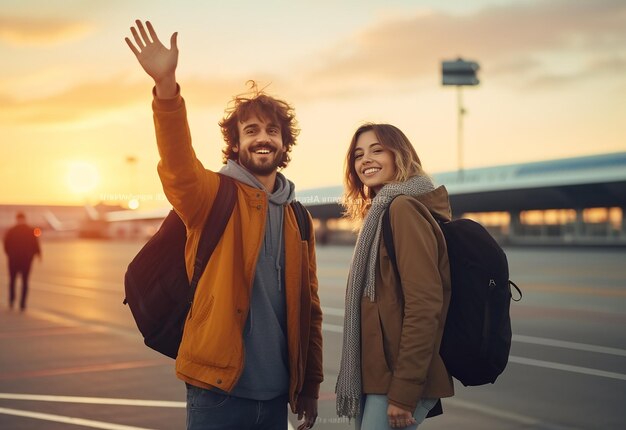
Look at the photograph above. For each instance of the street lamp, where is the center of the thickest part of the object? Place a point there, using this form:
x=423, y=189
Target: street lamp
x=133, y=201
x=459, y=73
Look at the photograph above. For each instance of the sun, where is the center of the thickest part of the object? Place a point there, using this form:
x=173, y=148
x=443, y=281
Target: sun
x=82, y=177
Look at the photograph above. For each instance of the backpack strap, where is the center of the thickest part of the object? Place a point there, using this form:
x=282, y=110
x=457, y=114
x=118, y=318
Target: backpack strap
x=302, y=216
x=388, y=239
x=213, y=228
x=514, y=285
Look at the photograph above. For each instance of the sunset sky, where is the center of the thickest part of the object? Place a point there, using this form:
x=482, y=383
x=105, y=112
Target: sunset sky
x=76, y=123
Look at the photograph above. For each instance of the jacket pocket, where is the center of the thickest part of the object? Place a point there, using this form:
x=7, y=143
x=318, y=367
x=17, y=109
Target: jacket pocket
x=376, y=370
x=199, y=311
x=205, y=341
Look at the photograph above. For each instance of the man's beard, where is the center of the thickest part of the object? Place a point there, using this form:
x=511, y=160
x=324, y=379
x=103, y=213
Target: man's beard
x=260, y=168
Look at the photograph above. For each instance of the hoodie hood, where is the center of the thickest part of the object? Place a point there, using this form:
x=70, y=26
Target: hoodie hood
x=437, y=202
x=284, y=190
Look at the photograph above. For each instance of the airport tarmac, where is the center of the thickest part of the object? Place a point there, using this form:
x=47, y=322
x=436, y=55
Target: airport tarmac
x=75, y=360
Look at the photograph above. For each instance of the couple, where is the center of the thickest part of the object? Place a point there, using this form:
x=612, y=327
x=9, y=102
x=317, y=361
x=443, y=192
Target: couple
x=252, y=341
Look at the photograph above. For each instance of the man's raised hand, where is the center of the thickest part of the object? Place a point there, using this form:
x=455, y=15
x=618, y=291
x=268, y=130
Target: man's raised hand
x=158, y=61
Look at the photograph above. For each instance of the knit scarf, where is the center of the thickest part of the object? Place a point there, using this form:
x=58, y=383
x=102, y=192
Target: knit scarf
x=361, y=282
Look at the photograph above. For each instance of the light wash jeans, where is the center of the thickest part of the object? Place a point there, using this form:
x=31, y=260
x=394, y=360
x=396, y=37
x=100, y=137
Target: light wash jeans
x=210, y=410
x=373, y=414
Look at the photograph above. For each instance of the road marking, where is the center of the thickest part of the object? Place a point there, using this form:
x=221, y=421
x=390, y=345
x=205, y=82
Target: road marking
x=541, y=363
x=54, y=331
x=567, y=368
x=88, y=400
x=93, y=400
x=66, y=290
x=81, y=369
x=516, y=338
x=569, y=345
x=336, y=312
x=568, y=289
x=504, y=415
x=99, y=326
x=332, y=328
x=68, y=420
x=86, y=283
x=577, y=314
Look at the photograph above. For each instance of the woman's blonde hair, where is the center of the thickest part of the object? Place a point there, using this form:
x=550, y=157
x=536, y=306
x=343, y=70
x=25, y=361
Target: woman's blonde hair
x=357, y=196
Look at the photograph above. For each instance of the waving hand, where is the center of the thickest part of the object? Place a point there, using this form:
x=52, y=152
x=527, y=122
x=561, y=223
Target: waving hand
x=158, y=61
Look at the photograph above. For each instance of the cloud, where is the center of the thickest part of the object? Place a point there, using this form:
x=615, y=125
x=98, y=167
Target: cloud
x=93, y=99
x=513, y=43
x=24, y=32
x=501, y=38
x=597, y=68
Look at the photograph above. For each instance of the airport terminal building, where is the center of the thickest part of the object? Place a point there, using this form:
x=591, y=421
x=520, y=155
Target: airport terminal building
x=574, y=201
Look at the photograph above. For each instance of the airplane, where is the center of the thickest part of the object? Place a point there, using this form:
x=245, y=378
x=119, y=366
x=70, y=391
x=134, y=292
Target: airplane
x=115, y=224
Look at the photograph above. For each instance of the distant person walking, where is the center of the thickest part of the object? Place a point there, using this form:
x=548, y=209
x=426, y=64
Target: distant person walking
x=20, y=245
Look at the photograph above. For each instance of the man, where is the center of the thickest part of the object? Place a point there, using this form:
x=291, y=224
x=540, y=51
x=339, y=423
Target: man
x=252, y=340
x=20, y=245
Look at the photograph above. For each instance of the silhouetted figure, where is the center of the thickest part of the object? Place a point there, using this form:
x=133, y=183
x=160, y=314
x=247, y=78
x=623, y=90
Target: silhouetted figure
x=20, y=245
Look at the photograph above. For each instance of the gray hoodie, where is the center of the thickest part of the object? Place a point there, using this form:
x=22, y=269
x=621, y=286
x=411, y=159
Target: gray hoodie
x=266, y=370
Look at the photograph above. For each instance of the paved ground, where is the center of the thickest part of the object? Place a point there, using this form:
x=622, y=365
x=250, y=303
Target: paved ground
x=75, y=360
x=59, y=374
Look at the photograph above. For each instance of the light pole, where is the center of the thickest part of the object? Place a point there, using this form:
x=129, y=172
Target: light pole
x=133, y=201
x=459, y=73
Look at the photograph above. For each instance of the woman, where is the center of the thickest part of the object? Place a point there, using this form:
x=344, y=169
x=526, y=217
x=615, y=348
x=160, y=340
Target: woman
x=391, y=374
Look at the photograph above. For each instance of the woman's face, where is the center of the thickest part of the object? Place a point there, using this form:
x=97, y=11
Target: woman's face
x=374, y=164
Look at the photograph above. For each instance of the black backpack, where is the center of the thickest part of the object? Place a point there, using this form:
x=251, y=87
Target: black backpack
x=157, y=289
x=477, y=335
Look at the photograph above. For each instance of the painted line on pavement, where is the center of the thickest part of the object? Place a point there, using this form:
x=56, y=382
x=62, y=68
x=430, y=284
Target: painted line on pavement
x=567, y=368
x=336, y=312
x=105, y=367
x=66, y=290
x=86, y=283
x=541, y=363
x=575, y=290
x=54, y=331
x=87, y=400
x=569, y=345
x=68, y=420
x=516, y=338
x=486, y=410
x=498, y=413
x=504, y=415
x=93, y=400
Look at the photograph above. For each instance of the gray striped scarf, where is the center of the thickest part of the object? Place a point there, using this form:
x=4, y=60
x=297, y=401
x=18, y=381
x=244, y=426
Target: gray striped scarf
x=361, y=282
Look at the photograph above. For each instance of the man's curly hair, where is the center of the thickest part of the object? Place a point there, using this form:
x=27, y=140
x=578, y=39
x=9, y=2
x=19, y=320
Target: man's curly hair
x=256, y=102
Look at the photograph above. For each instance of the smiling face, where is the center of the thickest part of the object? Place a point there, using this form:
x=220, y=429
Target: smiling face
x=374, y=164
x=260, y=146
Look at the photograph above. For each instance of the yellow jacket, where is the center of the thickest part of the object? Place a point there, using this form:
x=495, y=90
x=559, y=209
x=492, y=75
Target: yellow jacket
x=211, y=352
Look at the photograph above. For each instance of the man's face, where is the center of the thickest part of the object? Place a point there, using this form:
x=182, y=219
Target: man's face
x=260, y=146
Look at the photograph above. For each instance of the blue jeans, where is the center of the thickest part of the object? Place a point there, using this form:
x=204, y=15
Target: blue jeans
x=373, y=414
x=211, y=410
